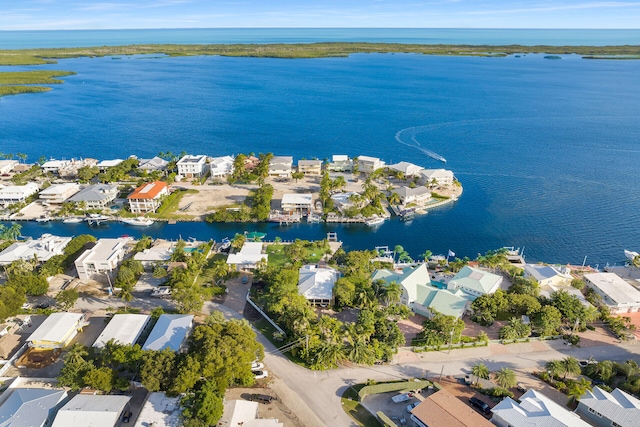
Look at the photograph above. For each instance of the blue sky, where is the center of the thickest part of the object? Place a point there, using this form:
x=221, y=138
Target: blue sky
x=116, y=14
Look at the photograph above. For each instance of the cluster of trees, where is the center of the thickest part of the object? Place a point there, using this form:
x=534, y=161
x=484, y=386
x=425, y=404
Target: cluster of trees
x=28, y=277
x=440, y=329
x=324, y=342
x=505, y=378
x=547, y=315
x=556, y=375
x=242, y=174
x=626, y=374
x=128, y=274
x=10, y=234
x=219, y=356
x=185, y=290
x=255, y=208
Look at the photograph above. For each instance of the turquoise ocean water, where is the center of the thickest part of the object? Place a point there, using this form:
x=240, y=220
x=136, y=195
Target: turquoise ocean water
x=547, y=151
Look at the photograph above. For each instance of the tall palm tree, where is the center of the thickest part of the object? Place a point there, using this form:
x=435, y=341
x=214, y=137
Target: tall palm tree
x=577, y=389
x=480, y=370
x=393, y=293
x=394, y=198
x=505, y=378
x=570, y=365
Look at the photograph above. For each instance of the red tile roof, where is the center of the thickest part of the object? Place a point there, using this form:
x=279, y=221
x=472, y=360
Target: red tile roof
x=150, y=190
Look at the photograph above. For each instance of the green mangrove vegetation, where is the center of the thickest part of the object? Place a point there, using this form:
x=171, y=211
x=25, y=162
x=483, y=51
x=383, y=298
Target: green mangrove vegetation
x=13, y=82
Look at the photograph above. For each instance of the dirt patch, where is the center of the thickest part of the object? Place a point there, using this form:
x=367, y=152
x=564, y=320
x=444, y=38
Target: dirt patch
x=211, y=197
x=37, y=359
x=9, y=344
x=472, y=329
x=411, y=327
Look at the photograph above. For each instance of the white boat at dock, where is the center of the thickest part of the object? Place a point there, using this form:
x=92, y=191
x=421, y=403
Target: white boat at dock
x=374, y=221
x=44, y=219
x=137, y=221
x=72, y=220
x=630, y=254
x=97, y=219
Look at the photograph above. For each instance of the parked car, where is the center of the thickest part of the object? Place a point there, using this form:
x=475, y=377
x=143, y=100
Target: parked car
x=410, y=406
x=161, y=292
x=126, y=417
x=257, y=366
x=479, y=404
x=585, y=363
x=262, y=398
x=245, y=280
x=258, y=375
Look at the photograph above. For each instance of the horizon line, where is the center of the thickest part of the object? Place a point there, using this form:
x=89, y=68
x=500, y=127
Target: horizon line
x=328, y=28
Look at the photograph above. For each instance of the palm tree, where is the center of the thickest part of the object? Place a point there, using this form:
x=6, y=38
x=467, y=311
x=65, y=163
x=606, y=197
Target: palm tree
x=505, y=378
x=394, y=198
x=603, y=370
x=393, y=293
x=76, y=354
x=570, y=365
x=577, y=388
x=554, y=367
x=480, y=371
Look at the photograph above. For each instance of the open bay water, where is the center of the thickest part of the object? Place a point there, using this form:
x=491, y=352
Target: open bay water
x=547, y=150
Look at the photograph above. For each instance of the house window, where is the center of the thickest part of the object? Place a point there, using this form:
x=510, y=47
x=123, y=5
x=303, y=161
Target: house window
x=593, y=411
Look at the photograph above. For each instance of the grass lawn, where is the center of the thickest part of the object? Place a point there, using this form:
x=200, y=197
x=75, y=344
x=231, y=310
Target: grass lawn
x=355, y=410
x=170, y=206
x=208, y=271
x=278, y=258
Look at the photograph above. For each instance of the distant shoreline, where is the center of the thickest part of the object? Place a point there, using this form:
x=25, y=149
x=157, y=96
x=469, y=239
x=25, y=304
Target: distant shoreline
x=306, y=50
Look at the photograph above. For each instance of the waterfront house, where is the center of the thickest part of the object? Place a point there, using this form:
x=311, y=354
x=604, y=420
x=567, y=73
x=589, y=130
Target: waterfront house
x=94, y=410
x=342, y=201
x=41, y=249
x=281, y=166
x=170, y=331
x=316, y=284
x=475, y=282
x=251, y=162
x=310, y=167
x=159, y=253
x=547, y=275
x=13, y=194
x=340, y=163
x=619, y=296
x=106, y=164
x=102, y=258
x=59, y=193
x=409, y=278
x=155, y=164
x=604, y=409
x=249, y=257
x=297, y=202
x=436, y=176
x=408, y=169
x=418, y=196
x=7, y=166
x=71, y=169
x=192, y=166
x=123, y=329
x=98, y=196
x=57, y=331
x=420, y=296
x=534, y=409
x=220, y=167
x=430, y=299
x=368, y=164
x=29, y=406
x=53, y=165
x=148, y=197
x=442, y=409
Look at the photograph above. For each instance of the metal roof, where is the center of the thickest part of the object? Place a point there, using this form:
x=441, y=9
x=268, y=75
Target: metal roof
x=56, y=327
x=91, y=411
x=29, y=407
x=169, y=332
x=123, y=329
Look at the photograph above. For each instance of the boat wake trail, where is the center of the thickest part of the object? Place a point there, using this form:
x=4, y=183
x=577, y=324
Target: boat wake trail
x=408, y=137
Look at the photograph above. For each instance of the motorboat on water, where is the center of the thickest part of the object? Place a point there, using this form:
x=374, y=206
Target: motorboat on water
x=97, y=219
x=374, y=221
x=43, y=219
x=137, y=221
x=630, y=254
x=72, y=220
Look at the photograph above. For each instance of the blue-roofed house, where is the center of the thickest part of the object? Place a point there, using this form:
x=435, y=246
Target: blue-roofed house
x=420, y=296
x=475, y=282
x=30, y=407
x=171, y=331
x=547, y=275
